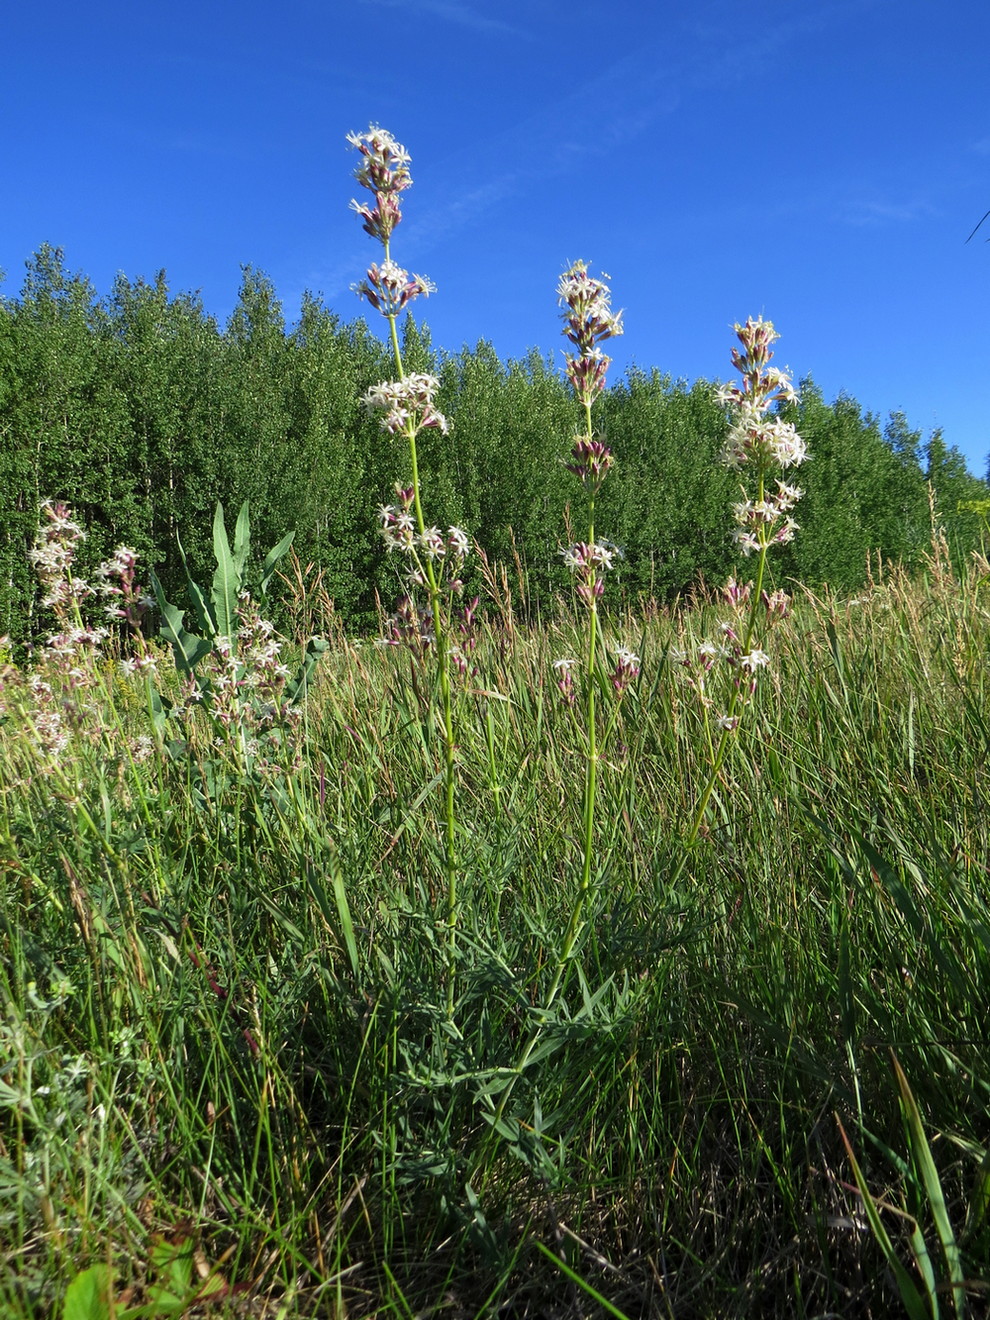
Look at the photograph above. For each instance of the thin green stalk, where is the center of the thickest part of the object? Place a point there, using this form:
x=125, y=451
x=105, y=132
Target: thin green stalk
x=440, y=628
x=591, y=770
x=728, y=730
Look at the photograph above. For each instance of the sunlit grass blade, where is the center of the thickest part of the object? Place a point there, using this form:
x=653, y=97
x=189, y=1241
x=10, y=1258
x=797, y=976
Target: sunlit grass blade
x=914, y=1303
x=922, y=1157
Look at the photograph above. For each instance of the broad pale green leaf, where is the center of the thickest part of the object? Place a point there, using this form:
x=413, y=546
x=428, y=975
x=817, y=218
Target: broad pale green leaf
x=88, y=1295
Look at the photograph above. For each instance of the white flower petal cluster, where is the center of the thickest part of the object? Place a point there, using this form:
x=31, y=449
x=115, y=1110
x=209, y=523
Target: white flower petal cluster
x=763, y=440
x=404, y=402
x=389, y=288
x=757, y=437
x=582, y=556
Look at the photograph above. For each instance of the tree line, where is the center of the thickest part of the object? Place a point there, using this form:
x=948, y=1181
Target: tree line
x=142, y=412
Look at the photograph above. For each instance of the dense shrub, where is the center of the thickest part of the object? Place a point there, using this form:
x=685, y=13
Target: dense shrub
x=144, y=412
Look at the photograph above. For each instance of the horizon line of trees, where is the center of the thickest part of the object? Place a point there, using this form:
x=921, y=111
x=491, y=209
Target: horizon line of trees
x=142, y=412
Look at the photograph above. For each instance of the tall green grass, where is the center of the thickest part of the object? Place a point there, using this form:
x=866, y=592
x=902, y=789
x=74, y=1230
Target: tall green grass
x=225, y=1026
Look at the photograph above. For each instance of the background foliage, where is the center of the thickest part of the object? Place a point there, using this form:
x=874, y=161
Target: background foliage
x=144, y=413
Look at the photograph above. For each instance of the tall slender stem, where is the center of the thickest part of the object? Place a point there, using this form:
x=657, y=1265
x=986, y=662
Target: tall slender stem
x=441, y=641
x=728, y=728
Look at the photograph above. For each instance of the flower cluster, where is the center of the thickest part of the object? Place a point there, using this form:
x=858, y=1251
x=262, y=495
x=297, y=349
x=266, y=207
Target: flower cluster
x=399, y=531
x=765, y=521
x=588, y=562
x=117, y=576
x=384, y=171
x=407, y=402
x=776, y=603
x=68, y=668
x=71, y=648
x=698, y=663
x=757, y=437
x=53, y=554
x=588, y=320
x=407, y=407
x=242, y=683
x=625, y=671
x=565, y=667
x=731, y=650
x=389, y=288
x=411, y=624
x=760, y=439
x=592, y=461
x=117, y=582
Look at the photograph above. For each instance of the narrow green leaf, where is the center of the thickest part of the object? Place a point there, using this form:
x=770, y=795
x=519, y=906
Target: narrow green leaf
x=585, y=1287
x=978, y=1210
x=187, y=648
x=205, y=621
x=344, y=913
x=242, y=540
x=912, y=1299
x=926, y=1266
x=272, y=558
x=921, y=1151
x=340, y=907
x=847, y=998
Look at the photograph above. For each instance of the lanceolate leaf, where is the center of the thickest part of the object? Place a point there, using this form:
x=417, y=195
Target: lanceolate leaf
x=187, y=648
x=910, y=1296
x=272, y=558
x=242, y=540
x=295, y=690
x=921, y=1151
x=160, y=708
x=204, y=615
x=226, y=579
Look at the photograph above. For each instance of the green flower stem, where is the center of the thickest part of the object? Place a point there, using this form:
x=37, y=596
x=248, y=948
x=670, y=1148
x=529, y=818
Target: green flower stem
x=591, y=772
x=747, y=642
x=591, y=769
x=440, y=630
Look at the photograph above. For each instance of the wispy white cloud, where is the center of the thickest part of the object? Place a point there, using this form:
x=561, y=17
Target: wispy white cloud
x=865, y=212
x=632, y=95
x=452, y=11
x=464, y=210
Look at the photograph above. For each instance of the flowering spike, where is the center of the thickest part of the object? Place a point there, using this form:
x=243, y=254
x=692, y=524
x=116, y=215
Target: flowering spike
x=383, y=171
x=588, y=319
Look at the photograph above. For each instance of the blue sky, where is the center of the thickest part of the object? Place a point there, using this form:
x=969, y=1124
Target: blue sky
x=819, y=162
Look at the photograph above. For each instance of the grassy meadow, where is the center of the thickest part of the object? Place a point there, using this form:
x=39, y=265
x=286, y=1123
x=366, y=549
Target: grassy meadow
x=517, y=961
x=242, y=1075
